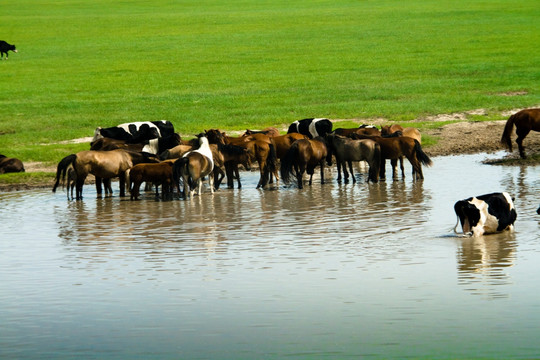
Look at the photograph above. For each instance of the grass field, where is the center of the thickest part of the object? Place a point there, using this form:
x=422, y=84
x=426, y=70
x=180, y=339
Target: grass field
x=237, y=64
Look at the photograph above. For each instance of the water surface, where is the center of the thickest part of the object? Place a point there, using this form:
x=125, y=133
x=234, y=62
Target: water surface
x=330, y=271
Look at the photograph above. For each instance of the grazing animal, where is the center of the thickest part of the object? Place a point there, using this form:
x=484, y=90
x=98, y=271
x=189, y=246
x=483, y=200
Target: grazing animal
x=525, y=121
x=348, y=150
x=368, y=130
x=10, y=165
x=193, y=166
x=4, y=48
x=485, y=214
x=283, y=143
x=398, y=130
x=269, y=131
x=394, y=148
x=260, y=147
x=136, y=132
x=158, y=174
x=311, y=127
x=152, y=146
x=304, y=156
x=103, y=165
x=176, y=152
x=230, y=156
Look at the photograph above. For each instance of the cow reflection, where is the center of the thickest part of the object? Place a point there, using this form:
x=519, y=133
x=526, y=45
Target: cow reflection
x=482, y=263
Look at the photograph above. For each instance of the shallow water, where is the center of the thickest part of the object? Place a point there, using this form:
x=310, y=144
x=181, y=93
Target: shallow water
x=330, y=271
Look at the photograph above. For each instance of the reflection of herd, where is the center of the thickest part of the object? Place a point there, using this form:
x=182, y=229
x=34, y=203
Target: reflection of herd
x=151, y=152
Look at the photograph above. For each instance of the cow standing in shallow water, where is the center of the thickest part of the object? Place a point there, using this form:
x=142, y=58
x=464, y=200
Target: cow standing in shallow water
x=486, y=214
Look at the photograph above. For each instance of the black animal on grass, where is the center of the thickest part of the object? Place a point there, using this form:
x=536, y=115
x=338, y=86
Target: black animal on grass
x=4, y=48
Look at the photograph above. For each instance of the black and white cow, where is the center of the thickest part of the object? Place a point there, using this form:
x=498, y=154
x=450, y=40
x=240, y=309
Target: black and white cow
x=136, y=132
x=4, y=48
x=486, y=214
x=311, y=127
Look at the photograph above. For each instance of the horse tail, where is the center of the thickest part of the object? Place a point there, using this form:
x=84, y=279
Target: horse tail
x=421, y=155
x=376, y=163
x=127, y=180
x=62, y=168
x=287, y=163
x=271, y=160
x=505, y=139
x=181, y=167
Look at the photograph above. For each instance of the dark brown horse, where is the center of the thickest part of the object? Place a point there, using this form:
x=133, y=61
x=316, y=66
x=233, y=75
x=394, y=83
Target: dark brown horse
x=260, y=148
x=153, y=146
x=193, y=167
x=104, y=165
x=394, y=148
x=368, y=130
x=525, y=121
x=304, y=156
x=10, y=165
x=158, y=174
x=229, y=157
x=347, y=150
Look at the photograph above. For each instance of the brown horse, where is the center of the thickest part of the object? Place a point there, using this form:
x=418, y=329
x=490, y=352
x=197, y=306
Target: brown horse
x=260, y=148
x=105, y=165
x=153, y=146
x=398, y=130
x=10, y=165
x=348, y=150
x=176, y=152
x=158, y=174
x=229, y=157
x=304, y=156
x=525, y=121
x=193, y=166
x=368, y=130
x=283, y=143
x=269, y=131
x=394, y=147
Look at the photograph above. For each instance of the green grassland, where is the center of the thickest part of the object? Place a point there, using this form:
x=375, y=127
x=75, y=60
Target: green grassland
x=249, y=64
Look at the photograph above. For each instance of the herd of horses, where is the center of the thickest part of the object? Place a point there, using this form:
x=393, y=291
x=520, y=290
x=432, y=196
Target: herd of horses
x=182, y=165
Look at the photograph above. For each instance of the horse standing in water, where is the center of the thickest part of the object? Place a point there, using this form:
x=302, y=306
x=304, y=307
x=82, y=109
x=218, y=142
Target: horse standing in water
x=304, y=156
x=348, y=150
x=525, y=121
x=193, y=166
x=102, y=164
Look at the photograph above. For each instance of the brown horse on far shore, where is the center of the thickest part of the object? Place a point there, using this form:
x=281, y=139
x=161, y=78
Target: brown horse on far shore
x=525, y=121
x=269, y=131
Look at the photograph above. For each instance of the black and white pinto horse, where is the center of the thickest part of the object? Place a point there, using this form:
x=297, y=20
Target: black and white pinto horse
x=311, y=127
x=136, y=132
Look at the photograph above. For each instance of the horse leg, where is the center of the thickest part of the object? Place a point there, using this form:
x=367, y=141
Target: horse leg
x=402, y=167
x=99, y=189
x=299, y=174
x=521, y=133
x=382, y=170
x=263, y=180
x=338, y=162
x=108, y=187
x=122, y=178
x=79, y=187
x=237, y=174
x=393, y=162
x=321, y=164
x=345, y=172
x=352, y=173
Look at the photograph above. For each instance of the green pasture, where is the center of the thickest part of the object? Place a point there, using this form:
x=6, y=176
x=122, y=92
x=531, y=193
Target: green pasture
x=249, y=64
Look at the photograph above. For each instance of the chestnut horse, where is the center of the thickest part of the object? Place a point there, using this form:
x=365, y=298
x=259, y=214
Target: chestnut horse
x=229, y=157
x=283, y=143
x=369, y=130
x=193, y=166
x=260, y=148
x=398, y=130
x=304, y=156
x=348, y=150
x=105, y=165
x=394, y=147
x=158, y=174
x=525, y=121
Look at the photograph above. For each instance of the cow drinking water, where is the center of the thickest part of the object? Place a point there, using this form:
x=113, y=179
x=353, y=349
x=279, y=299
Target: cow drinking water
x=485, y=214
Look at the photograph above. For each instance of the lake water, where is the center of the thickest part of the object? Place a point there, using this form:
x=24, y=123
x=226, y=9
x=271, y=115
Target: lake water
x=330, y=271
